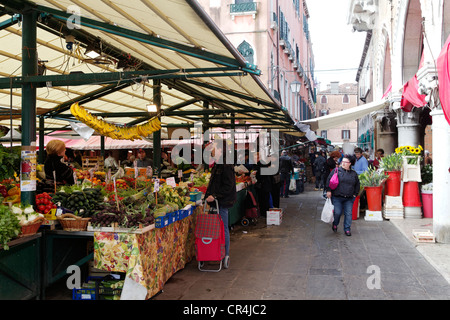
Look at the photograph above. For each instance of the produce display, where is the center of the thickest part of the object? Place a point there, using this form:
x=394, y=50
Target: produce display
x=44, y=203
x=120, y=201
x=9, y=226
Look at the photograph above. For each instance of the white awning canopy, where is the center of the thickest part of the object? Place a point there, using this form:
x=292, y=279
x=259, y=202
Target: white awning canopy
x=339, y=118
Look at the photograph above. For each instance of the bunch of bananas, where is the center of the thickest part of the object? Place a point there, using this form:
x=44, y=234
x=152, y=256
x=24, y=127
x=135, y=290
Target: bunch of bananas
x=110, y=130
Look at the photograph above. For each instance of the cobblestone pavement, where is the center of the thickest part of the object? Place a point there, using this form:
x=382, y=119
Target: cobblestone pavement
x=302, y=259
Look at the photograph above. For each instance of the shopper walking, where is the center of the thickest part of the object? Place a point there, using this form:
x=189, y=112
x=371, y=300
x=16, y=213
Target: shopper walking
x=263, y=185
x=286, y=169
x=319, y=169
x=344, y=195
x=379, y=154
x=222, y=187
x=330, y=165
x=361, y=164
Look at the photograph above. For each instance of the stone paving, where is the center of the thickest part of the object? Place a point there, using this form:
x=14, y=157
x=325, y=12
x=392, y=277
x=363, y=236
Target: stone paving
x=302, y=259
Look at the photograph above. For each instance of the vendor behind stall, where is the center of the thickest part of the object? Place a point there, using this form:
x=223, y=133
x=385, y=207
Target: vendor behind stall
x=56, y=150
x=129, y=162
x=142, y=160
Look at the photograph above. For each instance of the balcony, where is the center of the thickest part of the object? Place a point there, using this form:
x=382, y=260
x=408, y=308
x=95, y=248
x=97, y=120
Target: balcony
x=243, y=9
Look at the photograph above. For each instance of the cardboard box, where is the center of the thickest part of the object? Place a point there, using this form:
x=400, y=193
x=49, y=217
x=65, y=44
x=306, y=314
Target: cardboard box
x=274, y=216
x=373, y=216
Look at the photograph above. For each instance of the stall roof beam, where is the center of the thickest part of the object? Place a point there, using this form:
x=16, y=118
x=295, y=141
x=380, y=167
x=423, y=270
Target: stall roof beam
x=9, y=22
x=96, y=94
x=78, y=79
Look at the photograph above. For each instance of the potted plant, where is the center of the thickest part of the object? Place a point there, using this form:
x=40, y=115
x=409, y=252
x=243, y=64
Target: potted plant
x=392, y=166
x=427, y=191
x=371, y=180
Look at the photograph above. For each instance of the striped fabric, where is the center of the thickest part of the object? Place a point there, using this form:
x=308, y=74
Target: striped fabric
x=208, y=226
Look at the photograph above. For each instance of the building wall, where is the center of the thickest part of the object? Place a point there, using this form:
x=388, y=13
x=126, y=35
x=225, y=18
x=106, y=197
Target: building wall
x=335, y=103
x=262, y=30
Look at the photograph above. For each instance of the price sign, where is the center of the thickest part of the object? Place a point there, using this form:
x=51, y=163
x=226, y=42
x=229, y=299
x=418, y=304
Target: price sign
x=136, y=171
x=180, y=174
x=192, y=177
x=156, y=186
x=171, y=182
x=91, y=173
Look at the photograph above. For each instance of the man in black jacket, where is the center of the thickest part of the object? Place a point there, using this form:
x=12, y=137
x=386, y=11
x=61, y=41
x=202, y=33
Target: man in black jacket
x=319, y=166
x=286, y=169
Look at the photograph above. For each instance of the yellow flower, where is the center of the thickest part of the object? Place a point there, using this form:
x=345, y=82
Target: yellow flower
x=397, y=150
x=420, y=147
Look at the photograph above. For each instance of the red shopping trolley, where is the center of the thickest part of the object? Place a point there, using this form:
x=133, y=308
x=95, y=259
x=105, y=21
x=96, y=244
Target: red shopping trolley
x=209, y=238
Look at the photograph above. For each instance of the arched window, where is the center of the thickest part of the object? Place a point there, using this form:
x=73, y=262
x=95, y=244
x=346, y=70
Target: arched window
x=247, y=51
x=324, y=99
x=345, y=99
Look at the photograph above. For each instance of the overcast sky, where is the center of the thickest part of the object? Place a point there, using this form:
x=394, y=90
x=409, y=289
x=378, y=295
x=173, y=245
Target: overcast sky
x=337, y=49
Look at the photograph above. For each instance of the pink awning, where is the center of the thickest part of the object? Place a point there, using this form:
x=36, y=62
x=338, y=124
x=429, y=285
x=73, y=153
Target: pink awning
x=410, y=96
x=443, y=69
x=388, y=89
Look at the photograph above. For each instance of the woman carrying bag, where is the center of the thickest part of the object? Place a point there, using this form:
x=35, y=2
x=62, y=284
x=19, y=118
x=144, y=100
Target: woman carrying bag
x=344, y=194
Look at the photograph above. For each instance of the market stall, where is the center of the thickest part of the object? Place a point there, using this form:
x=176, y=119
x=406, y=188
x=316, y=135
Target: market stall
x=178, y=87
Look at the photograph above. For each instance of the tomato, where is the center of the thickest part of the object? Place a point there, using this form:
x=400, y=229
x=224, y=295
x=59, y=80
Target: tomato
x=41, y=208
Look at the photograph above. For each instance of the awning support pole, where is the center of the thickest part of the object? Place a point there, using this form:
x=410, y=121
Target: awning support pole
x=41, y=139
x=29, y=68
x=157, y=134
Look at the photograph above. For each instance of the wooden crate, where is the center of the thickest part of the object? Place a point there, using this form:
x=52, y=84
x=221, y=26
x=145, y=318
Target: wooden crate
x=423, y=235
x=90, y=162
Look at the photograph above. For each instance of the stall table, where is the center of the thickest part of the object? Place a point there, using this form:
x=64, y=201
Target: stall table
x=20, y=269
x=149, y=258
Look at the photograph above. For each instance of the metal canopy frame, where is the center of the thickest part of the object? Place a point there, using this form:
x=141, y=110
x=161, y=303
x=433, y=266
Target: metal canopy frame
x=52, y=20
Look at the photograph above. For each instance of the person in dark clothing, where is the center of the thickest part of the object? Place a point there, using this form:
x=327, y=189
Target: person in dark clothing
x=263, y=186
x=344, y=195
x=276, y=183
x=319, y=169
x=286, y=169
x=222, y=187
x=56, y=150
x=330, y=165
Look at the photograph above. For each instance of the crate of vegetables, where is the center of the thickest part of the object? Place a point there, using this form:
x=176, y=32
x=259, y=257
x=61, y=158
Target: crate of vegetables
x=44, y=204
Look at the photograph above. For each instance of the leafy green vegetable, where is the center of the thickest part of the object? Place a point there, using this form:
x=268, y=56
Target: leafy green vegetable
x=9, y=162
x=9, y=226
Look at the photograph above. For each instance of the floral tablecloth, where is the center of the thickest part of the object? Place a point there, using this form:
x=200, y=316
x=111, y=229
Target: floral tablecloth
x=150, y=258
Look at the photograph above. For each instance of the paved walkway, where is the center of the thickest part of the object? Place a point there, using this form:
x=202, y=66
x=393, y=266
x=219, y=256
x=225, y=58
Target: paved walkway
x=302, y=259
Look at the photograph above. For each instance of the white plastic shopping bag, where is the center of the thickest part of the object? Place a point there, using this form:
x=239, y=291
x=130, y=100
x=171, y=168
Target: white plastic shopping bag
x=292, y=185
x=328, y=212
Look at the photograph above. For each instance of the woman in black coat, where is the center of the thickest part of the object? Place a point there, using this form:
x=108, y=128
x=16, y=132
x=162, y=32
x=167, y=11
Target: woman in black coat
x=222, y=187
x=55, y=152
x=263, y=187
x=344, y=195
